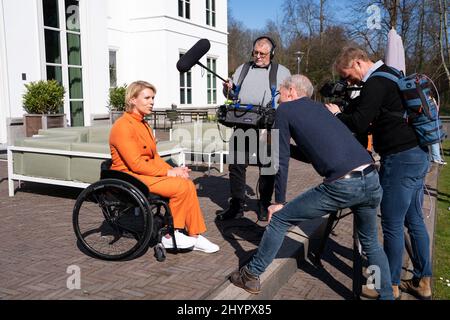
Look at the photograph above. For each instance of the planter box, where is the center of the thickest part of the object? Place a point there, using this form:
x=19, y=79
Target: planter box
x=34, y=122
x=114, y=115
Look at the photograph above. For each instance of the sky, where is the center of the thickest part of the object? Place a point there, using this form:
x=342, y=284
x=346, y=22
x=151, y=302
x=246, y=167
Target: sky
x=255, y=13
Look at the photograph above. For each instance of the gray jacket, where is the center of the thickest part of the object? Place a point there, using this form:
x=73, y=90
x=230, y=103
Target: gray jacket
x=255, y=88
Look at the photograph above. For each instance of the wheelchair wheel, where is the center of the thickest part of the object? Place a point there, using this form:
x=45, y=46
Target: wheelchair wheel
x=160, y=252
x=112, y=220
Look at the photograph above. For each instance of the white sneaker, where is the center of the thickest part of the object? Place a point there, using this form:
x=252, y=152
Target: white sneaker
x=205, y=245
x=441, y=162
x=183, y=241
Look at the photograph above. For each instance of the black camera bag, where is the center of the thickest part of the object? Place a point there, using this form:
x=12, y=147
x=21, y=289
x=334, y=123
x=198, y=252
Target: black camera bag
x=245, y=117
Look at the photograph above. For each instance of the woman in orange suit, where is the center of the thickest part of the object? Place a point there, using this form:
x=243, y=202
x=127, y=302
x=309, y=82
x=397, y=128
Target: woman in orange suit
x=133, y=150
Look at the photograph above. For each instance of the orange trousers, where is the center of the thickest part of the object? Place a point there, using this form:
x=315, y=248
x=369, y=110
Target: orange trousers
x=183, y=201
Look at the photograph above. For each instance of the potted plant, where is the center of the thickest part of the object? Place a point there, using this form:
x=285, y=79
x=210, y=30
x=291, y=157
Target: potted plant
x=43, y=102
x=117, y=102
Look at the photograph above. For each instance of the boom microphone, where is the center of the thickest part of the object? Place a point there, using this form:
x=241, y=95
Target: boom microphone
x=193, y=55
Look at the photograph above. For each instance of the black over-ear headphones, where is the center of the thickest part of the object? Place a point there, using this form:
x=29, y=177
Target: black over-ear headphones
x=272, y=51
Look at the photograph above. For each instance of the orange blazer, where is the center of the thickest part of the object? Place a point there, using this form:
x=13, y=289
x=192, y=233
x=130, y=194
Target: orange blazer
x=133, y=149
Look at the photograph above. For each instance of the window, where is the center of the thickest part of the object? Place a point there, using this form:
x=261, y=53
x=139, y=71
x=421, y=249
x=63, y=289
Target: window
x=184, y=8
x=52, y=37
x=211, y=13
x=63, y=62
x=112, y=68
x=185, y=87
x=212, y=81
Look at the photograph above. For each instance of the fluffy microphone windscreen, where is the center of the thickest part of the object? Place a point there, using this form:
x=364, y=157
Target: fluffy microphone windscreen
x=193, y=55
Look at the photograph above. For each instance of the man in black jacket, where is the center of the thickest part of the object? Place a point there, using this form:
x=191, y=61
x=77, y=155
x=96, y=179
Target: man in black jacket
x=350, y=181
x=404, y=165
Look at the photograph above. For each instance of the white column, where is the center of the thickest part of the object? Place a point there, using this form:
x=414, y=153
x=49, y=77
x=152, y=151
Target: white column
x=10, y=173
x=4, y=88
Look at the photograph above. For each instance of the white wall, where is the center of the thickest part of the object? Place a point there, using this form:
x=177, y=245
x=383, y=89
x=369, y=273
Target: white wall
x=4, y=92
x=22, y=49
x=95, y=57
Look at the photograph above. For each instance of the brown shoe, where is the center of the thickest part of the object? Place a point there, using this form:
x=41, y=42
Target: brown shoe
x=396, y=292
x=374, y=295
x=369, y=293
x=419, y=288
x=244, y=279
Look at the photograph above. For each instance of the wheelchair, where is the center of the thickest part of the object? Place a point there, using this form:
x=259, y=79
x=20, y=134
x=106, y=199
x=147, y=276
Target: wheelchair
x=118, y=218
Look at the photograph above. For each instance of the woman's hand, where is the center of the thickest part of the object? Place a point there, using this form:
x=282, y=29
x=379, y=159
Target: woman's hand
x=182, y=172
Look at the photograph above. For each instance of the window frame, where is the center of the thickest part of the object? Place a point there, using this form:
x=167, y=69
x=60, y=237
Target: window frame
x=64, y=57
x=112, y=50
x=184, y=9
x=211, y=13
x=211, y=81
x=183, y=85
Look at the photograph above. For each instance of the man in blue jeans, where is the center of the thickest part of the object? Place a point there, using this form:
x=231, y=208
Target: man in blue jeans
x=404, y=165
x=351, y=181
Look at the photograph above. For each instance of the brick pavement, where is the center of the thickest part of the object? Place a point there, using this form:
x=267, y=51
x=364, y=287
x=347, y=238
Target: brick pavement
x=37, y=245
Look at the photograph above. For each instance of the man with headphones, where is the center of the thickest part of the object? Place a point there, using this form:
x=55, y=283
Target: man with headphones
x=253, y=83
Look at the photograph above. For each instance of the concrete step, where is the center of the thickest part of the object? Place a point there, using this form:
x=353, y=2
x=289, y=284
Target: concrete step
x=295, y=247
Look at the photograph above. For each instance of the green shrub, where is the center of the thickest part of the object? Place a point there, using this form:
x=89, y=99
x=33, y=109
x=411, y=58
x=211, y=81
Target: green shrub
x=43, y=97
x=117, y=98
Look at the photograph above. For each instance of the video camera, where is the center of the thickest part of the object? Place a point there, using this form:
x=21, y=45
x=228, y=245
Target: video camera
x=339, y=93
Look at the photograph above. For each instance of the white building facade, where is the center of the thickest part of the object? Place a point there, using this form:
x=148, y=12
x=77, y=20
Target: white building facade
x=90, y=46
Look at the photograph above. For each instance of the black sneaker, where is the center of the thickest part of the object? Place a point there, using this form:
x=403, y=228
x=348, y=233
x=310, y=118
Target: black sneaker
x=234, y=211
x=244, y=279
x=262, y=212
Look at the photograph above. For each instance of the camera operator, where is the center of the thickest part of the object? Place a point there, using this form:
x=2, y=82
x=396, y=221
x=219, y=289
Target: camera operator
x=404, y=165
x=251, y=85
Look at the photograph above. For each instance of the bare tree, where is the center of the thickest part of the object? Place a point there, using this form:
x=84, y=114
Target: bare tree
x=445, y=13
x=321, y=21
x=419, y=50
x=391, y=6
x=239, y=43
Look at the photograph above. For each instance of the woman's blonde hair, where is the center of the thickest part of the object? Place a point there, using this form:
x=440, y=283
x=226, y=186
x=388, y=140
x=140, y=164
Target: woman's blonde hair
x=346, y=56
x=133, y=90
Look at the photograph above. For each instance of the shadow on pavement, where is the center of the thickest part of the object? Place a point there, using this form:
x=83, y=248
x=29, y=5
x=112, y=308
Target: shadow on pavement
x=333, y=255
x=49, y=190
x=217, y=189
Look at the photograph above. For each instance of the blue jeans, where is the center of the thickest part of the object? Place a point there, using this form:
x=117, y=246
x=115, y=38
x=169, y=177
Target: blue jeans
x=362, y=195
x=402, y=178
